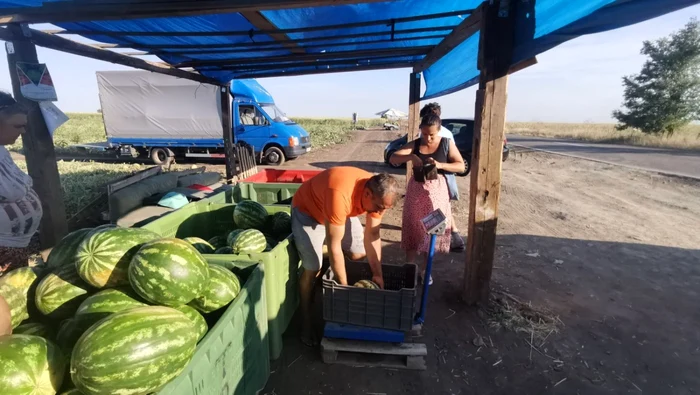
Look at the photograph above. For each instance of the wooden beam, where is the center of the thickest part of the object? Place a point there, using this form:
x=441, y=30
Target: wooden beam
x=76, y=48
x=278, y=48
x=282, y=73
x=339, y=55
x=247, y=33
x=90, y=10
x=317, y=64
x=266, y=44
x=257, y=19
x=495, y=55
x=413, y=114
x=464, y=30
x=227, y=129
x=38, y=148
x=522, y=65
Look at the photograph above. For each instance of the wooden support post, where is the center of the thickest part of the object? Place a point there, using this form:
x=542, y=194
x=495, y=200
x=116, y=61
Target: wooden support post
x=413, y=114
x=38, y=148
x=495, y=55
x=227, y=126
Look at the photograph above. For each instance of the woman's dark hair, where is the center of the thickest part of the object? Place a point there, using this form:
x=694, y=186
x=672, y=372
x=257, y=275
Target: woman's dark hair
x=430, y=120
x=431, y=108
x=9, y=106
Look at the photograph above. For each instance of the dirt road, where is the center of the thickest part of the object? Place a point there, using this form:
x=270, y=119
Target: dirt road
x=682, y=163
x=614, y=253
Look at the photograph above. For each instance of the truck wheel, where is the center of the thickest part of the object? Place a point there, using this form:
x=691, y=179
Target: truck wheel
x=273, y=156
x=162, y=156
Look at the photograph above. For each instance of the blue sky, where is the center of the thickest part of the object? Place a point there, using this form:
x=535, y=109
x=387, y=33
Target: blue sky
x=579, y=81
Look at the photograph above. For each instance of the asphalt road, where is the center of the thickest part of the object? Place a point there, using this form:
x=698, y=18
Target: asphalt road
x=681, y=163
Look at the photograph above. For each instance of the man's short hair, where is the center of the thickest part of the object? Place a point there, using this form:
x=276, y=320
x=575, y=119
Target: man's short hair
x=383, y=185
x=431, y=108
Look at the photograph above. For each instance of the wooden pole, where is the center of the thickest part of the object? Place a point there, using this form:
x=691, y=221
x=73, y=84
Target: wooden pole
x=227, y=126
x=413, y=114
x=38, y=148
x=495, y=55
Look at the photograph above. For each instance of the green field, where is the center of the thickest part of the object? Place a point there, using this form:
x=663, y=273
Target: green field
x=88, y=128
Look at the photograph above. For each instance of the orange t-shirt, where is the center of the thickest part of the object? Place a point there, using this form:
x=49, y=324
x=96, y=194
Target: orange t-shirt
x=334, y=195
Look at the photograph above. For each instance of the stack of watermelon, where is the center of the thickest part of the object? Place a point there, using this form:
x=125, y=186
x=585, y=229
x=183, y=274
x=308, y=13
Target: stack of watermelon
x=256, y=231
x=83, y=321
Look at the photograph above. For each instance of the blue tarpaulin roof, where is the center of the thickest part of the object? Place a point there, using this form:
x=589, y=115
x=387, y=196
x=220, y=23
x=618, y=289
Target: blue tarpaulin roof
x=229, y=46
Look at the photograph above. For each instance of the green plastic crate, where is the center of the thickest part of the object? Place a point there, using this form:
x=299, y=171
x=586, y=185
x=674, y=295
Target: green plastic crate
x=272, y=193
x=281, y=265
x=232, y=357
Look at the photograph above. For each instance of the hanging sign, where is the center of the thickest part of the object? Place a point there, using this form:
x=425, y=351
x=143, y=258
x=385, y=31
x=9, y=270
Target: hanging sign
x=35, y=82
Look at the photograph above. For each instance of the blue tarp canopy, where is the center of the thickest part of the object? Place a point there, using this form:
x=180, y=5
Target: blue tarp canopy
x=350, y=37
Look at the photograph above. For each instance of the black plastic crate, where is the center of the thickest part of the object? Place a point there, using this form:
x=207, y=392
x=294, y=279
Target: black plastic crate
x=390, y=308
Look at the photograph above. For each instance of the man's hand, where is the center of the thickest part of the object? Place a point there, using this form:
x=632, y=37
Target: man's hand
x=379, y=280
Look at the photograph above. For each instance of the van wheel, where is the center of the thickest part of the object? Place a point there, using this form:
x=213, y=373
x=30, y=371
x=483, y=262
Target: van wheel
x=162, y=156
x=273, y=156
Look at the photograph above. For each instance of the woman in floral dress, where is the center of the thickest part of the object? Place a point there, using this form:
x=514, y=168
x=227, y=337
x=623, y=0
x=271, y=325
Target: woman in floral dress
x=422, y=198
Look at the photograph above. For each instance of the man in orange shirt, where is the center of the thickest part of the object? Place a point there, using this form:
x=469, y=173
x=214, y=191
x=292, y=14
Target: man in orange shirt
x=325, y=209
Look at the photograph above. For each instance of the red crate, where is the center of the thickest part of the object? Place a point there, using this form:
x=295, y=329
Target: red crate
x=283, y=176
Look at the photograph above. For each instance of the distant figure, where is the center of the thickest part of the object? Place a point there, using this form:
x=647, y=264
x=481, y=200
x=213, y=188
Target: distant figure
x=354, y=119
x=424, y=197
x=325, y=211
x=247, y=117
x=20, y=208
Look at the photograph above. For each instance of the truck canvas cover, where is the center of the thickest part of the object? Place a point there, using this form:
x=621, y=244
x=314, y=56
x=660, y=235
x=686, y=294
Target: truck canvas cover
x=144, y=105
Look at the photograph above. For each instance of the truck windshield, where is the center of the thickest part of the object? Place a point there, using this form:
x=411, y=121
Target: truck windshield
x=274, y=112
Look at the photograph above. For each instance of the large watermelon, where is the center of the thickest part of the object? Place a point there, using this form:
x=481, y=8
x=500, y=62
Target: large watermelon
x=17, y=300
x=73, y=391
x=135, y=351
x=22, y=278
x=108, y=301
x=281, y=225
x=232, y=235
x=60, y=293
x=30, y=365
x=249, y=215
x=223, y=287
x=35, y=329
x=169, y=272
x=64, y=252
x=197, y=319
x=103, y=257
x=366, y=284
x=249, y=241
x=200, y=245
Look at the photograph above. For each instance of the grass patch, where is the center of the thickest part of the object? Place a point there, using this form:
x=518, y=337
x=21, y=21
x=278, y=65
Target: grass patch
x=507, y=312
x=686, y=138
x=325, y=132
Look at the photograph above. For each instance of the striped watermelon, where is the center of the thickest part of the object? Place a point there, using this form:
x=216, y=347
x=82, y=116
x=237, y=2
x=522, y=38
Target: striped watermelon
x=103, y=257
x=281, y=225
x=22, y=278
x=17, y=300
x=366, y=284
x=135, y=351
x=30, y=365
x=218, y=241
x=64, y=252
x=108, y=301
x=197, y=319
x=168, y=272
x=60, y=293
x=73, y=391
x=224, y=250
x=249, y=241
x=232, y=235
x=250, y=215
x=35, y=329
x=223, y=287
x=271, y=242
x=200, y=245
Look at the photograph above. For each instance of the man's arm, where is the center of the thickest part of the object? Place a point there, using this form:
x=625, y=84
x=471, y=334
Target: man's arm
x=334, y=238
x=373, y=247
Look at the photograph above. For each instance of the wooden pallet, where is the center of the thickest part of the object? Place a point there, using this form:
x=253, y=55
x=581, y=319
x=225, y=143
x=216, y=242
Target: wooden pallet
x=374, y=354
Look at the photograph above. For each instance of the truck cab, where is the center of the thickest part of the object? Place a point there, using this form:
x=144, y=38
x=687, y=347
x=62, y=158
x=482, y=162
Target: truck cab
x=260, y=123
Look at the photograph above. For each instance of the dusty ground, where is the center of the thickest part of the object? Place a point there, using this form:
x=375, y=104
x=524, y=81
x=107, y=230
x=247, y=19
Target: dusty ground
x=614, y=253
